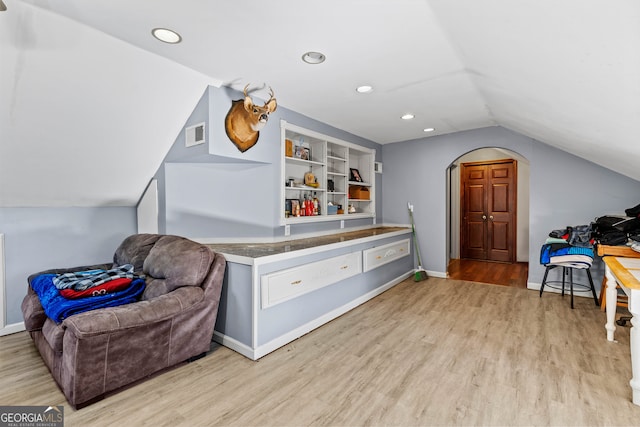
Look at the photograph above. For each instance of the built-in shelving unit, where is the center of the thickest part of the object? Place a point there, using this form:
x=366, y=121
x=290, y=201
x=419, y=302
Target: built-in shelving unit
x=342, y=172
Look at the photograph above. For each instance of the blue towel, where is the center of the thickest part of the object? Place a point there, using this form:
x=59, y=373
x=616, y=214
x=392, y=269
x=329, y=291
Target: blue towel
x=572, y=250
x=58, y=308
x=547, y=251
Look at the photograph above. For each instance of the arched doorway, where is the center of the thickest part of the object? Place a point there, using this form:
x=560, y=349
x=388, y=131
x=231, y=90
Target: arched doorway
x=510, y=274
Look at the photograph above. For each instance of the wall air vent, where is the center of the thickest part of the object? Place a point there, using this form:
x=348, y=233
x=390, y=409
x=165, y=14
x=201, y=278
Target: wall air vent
x=194, y=135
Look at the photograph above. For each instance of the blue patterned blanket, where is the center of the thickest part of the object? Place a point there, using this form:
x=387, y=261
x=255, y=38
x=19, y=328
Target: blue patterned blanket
x=83, y=280
x=59, y=308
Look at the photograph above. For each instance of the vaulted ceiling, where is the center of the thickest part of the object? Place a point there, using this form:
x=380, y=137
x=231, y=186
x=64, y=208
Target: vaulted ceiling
x=87, y=93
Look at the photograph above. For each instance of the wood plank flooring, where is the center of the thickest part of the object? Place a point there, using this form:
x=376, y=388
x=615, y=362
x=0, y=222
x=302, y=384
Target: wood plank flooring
x=437, y=352
x=496, y=273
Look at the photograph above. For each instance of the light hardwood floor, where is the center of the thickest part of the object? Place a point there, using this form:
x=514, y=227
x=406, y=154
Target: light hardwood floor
x=437, y=352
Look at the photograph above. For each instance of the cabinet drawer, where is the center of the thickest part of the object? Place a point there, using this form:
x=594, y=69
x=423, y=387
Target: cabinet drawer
x=380, y=255
x=286, y=284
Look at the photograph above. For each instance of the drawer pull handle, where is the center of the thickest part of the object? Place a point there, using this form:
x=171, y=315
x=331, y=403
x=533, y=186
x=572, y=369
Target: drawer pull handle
x=378, y=257
x=297, y=282
x=344, y=267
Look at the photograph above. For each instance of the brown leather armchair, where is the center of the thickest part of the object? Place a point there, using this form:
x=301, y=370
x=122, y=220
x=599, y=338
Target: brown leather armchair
x=95, y=352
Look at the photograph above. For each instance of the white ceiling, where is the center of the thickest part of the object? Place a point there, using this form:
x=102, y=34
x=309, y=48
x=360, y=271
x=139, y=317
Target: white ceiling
x=565, y=72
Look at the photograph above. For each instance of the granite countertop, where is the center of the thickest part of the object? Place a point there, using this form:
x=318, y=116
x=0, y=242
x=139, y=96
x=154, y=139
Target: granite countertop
x=256, y=250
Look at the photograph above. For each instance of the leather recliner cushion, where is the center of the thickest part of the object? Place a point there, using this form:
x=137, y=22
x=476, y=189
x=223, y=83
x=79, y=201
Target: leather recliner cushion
x=33, y=313
x=54, y=334
x=174, y=262
x=134, y=249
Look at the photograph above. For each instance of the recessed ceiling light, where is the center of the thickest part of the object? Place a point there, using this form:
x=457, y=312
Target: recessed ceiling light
x=408, y=116
x=429, y=129
x=364, y=89
x=313, y=58
x=167, y=36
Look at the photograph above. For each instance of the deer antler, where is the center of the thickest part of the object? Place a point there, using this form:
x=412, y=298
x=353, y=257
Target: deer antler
x=245, y=90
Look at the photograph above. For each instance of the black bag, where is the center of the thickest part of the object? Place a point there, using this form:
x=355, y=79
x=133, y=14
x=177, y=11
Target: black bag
x=608, y=223
x=634, y=211
x=613, y=238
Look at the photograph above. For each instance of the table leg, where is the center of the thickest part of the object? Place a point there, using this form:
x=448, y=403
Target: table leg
x=634, y=309
x=612, y=302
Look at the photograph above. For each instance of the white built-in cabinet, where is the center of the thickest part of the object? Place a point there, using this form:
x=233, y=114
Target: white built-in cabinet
x=272, y=298
x=287, y=284
x=332, y=162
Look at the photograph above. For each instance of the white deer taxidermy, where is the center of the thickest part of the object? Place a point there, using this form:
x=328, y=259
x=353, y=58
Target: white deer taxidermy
x=245, y=119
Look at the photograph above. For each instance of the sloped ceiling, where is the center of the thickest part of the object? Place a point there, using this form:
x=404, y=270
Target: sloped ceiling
x=87, y=84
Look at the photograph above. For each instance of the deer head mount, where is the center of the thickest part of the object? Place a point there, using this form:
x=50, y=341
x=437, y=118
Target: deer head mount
x=245, y=119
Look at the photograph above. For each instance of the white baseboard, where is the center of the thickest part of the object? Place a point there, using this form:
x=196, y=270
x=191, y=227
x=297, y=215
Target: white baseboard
x=12, y=329
x=307, y=327
x=234, y=345
x=438, y=274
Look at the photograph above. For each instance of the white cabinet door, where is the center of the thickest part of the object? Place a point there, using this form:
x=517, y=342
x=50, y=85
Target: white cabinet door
x=286, y=284
x=380, y=255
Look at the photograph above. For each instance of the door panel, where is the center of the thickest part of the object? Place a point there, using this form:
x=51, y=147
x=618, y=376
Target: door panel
x=488, y=211
x=499, y=198
x=476, y=240
x=500, y=235
x=476, y=199
x=474, y=233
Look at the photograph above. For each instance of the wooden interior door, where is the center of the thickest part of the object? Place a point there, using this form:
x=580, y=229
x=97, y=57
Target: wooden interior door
x=488, y=210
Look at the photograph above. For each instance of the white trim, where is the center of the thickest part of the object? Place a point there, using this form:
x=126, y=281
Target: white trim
x=307, y=327
x=238, y=259
x=3, y=304
x=12, y=329
x=234, y=345
x=326, y=218
x=534, y=286
x=439, y=274
x=283, y=169
x=255, y=300
x=321, y=136
x=147, y=209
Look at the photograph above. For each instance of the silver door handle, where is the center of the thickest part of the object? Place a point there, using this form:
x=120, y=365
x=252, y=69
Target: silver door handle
x=484, y=217
x=491, y=217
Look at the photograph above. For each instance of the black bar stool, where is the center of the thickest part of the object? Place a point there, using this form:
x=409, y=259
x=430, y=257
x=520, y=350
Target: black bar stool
x=568, y=269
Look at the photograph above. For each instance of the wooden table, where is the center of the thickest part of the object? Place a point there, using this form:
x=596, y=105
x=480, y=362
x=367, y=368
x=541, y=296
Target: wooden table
x=621, y=251
x=618, y=250
x=625, y=272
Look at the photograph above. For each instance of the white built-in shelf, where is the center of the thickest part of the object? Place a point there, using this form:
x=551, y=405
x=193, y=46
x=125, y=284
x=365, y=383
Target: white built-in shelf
x=330, y=161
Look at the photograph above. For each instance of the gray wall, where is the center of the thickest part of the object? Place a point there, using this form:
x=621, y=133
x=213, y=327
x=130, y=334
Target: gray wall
x=215, y=191
x=564, y=189
x=41, y=238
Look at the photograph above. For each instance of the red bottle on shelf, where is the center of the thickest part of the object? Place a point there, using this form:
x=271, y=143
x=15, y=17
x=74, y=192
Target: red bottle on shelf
x=309, y=206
